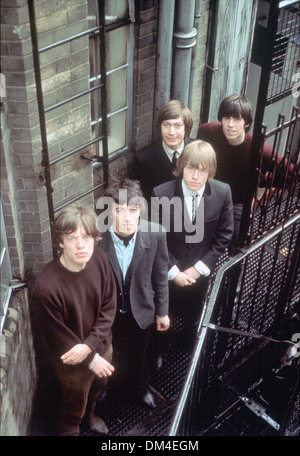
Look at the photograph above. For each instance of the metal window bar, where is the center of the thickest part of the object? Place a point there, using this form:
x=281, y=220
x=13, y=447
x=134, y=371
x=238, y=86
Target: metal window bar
x=274, y=22
x=213, y=359
x=46, y=162
x=281, y=195
x=286, y=51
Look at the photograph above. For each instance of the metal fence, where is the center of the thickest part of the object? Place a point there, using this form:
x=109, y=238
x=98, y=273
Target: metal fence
x=245, y=338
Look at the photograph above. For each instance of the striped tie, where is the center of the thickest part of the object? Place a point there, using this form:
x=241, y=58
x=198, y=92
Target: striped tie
x=194, y=207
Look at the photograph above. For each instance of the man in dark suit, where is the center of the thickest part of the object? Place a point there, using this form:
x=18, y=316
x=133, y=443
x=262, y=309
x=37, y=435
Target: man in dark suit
x=137, y=251
x=155, y=164
x=195, y=240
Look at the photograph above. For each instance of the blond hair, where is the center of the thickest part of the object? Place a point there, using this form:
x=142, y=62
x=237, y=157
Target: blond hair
x=197, y=153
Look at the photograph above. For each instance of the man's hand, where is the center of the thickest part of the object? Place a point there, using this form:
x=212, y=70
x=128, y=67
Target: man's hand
x=102, y=368
x=162, y=323
x=192, y=273
x=182, y=279
x=77, y=354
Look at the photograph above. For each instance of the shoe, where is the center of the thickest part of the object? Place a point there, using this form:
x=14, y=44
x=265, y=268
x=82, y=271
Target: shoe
x=103, y=394
x=96, y=424
x=159, y=362
x=147, y=398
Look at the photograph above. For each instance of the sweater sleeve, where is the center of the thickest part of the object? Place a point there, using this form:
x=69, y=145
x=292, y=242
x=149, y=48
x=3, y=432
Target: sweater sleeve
x=99, y=336
x=60, y=338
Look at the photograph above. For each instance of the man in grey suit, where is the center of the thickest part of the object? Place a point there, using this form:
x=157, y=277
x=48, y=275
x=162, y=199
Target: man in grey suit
x=137, y=251
x=194, y=246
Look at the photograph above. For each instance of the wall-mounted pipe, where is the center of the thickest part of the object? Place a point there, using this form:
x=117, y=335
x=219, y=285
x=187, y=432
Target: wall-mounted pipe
x=184, y=41
x=194, y=52
x=164, y=59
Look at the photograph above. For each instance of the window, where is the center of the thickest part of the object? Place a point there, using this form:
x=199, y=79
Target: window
x=110, y=59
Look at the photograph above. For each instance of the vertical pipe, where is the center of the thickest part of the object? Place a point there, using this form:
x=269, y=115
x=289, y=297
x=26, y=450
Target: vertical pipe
x=184, y=41
x=164, y=59
x=194, y=51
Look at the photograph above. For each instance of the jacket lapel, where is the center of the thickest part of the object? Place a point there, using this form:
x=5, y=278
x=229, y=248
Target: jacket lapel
x=141, y=244
x=108, y=246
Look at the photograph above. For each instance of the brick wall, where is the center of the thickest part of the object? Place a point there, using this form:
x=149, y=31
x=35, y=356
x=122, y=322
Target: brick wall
x=65, y=71
x=18, y=369
x=146, y=25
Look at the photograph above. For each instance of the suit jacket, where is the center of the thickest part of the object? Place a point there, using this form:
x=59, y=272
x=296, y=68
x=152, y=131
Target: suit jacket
x=218, y=224
x=148, y=290
x=152, y=167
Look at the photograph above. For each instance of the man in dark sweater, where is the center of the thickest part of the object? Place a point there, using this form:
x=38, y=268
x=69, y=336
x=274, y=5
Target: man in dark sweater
x=232, y=141
x=75, y=300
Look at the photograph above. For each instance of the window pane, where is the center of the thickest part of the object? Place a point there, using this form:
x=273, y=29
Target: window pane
x=116, y=48
x=115, y=10
x=116, y=133
x=117, y=128
x=116, y=89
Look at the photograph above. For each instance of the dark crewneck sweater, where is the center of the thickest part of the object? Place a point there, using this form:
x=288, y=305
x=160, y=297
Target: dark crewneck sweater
x=77, y=307
x=233, y=162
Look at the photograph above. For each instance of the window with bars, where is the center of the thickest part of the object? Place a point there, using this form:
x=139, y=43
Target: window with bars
x=110, y=60
x=286, y=50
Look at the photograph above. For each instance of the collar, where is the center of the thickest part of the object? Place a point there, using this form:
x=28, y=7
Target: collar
x=187, y=192
x=117, y=240
x=170, y=151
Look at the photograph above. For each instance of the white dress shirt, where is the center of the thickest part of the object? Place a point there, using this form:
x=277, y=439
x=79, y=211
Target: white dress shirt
x=170, y=151
x=188, y=196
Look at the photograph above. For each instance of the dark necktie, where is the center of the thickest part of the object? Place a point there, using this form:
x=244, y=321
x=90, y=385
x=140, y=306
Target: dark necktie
x=125, y=239
x=174, y=159
x=194, y=207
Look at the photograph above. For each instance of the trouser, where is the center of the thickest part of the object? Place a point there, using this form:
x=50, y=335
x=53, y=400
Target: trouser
x=80, y=389
x=237, y=216
x=187, y=303
x=130, y=344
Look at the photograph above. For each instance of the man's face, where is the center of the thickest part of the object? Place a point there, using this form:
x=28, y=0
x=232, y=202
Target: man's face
x=194, y=177
x=125, y=218
x=234, y=129
x=172, y=132
x=78, y=247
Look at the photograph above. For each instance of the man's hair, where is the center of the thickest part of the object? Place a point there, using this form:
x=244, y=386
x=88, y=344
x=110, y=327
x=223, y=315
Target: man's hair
x=236, y=106
x=197, y=153
x=71, y=217
x=126, y=191
x=173, y=110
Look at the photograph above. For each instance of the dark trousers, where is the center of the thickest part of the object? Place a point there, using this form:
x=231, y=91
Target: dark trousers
x=188, y=302
x=185, y=305
x=130, y=344
x=79, y=389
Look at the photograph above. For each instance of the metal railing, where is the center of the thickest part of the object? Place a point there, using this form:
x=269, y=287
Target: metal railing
x=232, y=330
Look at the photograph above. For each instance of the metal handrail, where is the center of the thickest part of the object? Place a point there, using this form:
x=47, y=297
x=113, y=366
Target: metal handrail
x=207, y=313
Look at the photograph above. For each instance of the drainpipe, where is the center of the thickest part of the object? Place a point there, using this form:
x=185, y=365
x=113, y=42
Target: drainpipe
x=194, y=52
x=164, y=59
x=184, y=41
